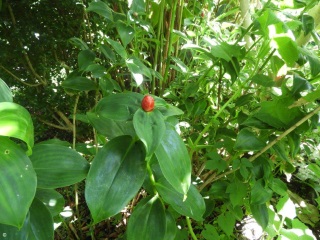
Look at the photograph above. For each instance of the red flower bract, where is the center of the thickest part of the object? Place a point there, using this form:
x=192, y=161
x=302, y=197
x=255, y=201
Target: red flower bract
x=147, y=103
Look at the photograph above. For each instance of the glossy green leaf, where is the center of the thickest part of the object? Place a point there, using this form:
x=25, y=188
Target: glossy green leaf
x=58, y=166
x=278, y=186
x=41, y=222
x=108, y=53
x=150, y=128
x=5, y=92
x=116, y=175
x=78, y=43
x=262, y=80
x=248, y=141
x=300, y=84
x=171, y=231
x=287, y=48
x=126, y=32
x=174, y=161
x=226, y=222
x=193, y=206
x=119, y=107
x=118, y=48
x=18, y=183
x=96, y=70
x=111, y=128
x=259, y=193
x=138, y=6
x=37, y=226
x=260, y=213
x=148, y=220
x=78, y=83
x=53, y=200
x=85, y=58
x=137, y=69
x=15, y=121
x=102, y=9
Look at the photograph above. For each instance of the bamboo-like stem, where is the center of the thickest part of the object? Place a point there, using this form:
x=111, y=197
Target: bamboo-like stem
x=267, y=147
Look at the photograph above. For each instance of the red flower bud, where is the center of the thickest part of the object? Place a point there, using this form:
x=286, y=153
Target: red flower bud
x=147, y=103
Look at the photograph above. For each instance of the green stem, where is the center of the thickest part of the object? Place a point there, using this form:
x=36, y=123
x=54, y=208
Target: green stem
x=173, y=16
x=152, y=180
x=194, y=237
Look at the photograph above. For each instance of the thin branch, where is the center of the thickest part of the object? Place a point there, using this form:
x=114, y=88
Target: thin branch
x=214, y=178
x=54, y=125
x=26, y=57
x=18, y=79
x=64, y=118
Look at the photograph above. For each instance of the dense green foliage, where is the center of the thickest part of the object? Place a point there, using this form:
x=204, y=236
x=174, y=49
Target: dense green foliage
x=233, y=134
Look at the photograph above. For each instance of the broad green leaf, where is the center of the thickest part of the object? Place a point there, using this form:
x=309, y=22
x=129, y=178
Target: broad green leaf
x=138, y=6
x=118, y=48
x=226, y=222
x=102, y=9
x=307, y=23
x=287, y=48
x=15, y=121
x=116, y=175
x=210, y=232
x=267, y=18
x=313, y=60
x=237, y=191
x=174, y=161
x=126, y=32
x=108, y=53
x=110, y=128
x=285, y=207
x=41, y=222
x=53, y=200
x=171, y=227
x=248, y=141
x=137, y=69
x=259, y=193
x=277, y=113
x=96, y=70
x=193, y=206
x=37, y=226
x=300, y=84
x=78, y=83
x=78, y=43
x=14, y=233
x=260, y=213
x=262, y=80
x=5, y=92
x=148, y=220
x=278, y=186
x=85, y=58
x=119, y=107
x=58, y=166
x=315, y=169
x=18, y=183
x=150, y=128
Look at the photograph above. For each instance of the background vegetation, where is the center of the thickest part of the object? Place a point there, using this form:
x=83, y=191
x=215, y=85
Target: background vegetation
x=234, y=134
